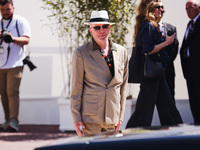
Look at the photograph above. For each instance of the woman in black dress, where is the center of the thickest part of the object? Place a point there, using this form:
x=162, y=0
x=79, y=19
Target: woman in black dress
x=148, y=39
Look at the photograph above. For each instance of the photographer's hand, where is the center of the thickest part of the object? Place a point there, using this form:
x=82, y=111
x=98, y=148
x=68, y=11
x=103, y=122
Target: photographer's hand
x=13, y=39
x=23, y=40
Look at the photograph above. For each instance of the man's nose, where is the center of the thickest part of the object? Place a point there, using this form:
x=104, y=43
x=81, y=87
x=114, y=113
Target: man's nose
x=101, y=29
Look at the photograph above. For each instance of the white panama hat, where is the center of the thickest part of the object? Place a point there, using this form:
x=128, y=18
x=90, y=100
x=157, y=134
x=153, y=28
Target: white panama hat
x=99, y=17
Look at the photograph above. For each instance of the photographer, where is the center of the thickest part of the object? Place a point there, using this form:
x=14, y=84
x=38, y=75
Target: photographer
x=15, y=33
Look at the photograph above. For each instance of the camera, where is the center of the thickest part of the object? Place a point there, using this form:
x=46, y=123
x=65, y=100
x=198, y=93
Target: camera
x=27, y=61
x=5, y=36
x=170, y=33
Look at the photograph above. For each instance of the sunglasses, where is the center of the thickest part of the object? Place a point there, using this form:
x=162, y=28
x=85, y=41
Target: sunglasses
x=99, y=27
x=159, y=7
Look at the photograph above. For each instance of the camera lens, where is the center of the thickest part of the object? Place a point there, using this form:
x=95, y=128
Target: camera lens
x=6, y=36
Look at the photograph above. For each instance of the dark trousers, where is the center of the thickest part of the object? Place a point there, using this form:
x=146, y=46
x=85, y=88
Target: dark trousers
x=193, y=86
x=154, y=92
x=170, y=78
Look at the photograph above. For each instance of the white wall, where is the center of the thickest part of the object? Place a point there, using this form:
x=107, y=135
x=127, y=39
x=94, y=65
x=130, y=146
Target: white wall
x=37, y=17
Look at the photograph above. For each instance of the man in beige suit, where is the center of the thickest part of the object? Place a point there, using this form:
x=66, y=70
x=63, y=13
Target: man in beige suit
x=99, y=80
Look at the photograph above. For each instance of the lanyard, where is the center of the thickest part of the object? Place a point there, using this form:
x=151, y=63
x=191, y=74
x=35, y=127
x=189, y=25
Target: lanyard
x=7, y=24
x=2, y=40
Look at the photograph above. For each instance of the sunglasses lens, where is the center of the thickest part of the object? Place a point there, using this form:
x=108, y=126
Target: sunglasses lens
x=159, y=7
x=105, y=26
x=97, y=27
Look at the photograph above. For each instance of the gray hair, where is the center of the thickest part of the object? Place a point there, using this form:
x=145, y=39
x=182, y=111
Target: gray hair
x=197, y=2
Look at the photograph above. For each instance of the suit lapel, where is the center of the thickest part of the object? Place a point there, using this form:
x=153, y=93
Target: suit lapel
x=115, y=62
x=197, y=24
x=168, y=27
x=165, y=28
x=99, y=60
x=96, y=55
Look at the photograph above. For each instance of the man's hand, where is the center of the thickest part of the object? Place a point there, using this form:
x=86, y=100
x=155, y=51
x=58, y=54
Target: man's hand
x=77, y=125
x=117, y=126
x=170, y=39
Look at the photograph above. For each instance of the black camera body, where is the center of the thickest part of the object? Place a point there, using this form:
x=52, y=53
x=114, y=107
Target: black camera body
x=29, y=63
x=5, y=36
x=170, y=33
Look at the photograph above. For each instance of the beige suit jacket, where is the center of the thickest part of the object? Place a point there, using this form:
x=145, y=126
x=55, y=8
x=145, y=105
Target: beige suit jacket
x=96, y=96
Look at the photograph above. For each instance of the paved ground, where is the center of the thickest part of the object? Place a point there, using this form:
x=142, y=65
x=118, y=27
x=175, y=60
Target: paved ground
x=30, y=137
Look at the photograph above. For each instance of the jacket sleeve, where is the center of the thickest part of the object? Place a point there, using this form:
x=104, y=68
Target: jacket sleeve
x=172, y=49
x=124, y=86
x=148, y=38
x=77, y=85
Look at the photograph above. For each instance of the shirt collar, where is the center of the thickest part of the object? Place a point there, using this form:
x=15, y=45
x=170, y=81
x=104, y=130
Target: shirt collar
x=161, y=22
x=97, y=47
x=195, y=19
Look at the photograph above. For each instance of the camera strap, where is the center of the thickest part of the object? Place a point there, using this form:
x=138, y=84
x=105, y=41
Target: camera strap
x=7, y=24
x=2, y=26
x=2, y=40
x=18, y=33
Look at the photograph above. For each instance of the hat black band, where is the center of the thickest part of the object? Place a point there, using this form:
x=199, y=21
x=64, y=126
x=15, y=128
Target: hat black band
x=99, y=20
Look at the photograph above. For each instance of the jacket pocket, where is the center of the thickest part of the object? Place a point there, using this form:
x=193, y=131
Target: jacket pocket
x=90, y=104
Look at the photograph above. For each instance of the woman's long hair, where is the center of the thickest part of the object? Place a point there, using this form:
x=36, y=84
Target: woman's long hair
x=145, y=11
x=141, y=14
x=150, y=15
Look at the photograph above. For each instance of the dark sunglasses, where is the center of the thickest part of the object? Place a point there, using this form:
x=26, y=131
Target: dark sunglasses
x=159, y=7
x=99, y=27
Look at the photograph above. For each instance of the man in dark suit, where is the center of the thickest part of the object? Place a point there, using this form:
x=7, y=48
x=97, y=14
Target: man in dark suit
x=172, y=51
x=190, y=58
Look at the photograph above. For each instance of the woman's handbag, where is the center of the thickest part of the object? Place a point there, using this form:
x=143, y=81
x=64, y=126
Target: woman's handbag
x=153, y=69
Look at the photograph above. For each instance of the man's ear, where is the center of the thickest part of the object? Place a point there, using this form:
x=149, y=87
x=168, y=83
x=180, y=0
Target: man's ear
x=90, y=31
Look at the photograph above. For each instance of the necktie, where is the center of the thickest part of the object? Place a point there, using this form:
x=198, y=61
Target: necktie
x=189, y=37
x=191, y=27
x=162, y=30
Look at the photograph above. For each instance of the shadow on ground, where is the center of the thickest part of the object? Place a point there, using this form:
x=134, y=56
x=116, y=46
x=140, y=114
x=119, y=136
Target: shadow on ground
x=35, y=132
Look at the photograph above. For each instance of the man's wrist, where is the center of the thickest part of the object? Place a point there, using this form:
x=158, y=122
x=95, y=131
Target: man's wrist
x=13, y=40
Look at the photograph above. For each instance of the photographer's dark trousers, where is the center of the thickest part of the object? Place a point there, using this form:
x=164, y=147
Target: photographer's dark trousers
x=154, y=92
x=10, y=80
